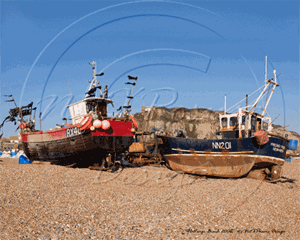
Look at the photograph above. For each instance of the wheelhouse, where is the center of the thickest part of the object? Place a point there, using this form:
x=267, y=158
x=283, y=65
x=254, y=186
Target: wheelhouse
x=91, y=104
x=96, y=105
x=244, y=123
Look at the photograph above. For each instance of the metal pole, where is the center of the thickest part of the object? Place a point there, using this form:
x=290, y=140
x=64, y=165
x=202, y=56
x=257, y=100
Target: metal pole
x=274, y=86
x=225, y=105
x=240, y=123
x=254, y=105
x=131, y=92
x=40, y=121
x=266, y=65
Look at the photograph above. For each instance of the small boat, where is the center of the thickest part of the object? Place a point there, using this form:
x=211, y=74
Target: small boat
x=92, y=134
x=244, y=143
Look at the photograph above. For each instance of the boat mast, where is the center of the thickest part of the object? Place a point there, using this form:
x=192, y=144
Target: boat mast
x=225, y=105
x=260, y=96
x=94, y=82
x=266, y=65
x=275, y=84
x=267, y=84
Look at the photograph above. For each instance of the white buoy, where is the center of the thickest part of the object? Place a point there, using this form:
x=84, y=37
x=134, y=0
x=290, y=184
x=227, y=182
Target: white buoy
x=97, y=124
x=105, y=125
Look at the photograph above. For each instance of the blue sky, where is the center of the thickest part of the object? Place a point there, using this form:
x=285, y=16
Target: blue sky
x=185, y=53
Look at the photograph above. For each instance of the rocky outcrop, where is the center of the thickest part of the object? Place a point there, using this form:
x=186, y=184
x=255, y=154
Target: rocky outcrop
x=197, y=122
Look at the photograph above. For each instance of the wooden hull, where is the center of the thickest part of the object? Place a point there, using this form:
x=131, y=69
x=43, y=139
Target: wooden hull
x=71, y=144
x=219, y=165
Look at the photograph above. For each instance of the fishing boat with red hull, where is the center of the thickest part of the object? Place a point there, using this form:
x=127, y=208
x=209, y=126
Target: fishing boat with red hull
x=244, y=143
x=92, y=134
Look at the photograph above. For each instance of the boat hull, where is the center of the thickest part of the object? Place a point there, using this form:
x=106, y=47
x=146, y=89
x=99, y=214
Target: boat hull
x=276, y=147
x=223, y=157
x=219, y=165
x=72, y=144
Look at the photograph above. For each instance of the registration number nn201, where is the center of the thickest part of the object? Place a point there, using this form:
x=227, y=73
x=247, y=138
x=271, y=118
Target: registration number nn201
x=221, y=145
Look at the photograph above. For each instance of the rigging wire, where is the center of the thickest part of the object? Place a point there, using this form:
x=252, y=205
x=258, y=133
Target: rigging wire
x=245, y=98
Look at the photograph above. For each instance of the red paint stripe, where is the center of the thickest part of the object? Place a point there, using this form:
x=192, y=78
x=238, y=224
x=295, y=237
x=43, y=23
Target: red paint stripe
x=24, y=137
x=57, y=134
x=54, y=134
x=117, y=128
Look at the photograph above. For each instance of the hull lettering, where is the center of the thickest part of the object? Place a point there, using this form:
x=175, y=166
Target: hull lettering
x=278, y=147
x=71, y=132
x=221, y=145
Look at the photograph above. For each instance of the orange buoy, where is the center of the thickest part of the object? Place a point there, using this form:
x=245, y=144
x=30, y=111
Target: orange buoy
x=261, y=137
x=83, y=121
x=87, y=123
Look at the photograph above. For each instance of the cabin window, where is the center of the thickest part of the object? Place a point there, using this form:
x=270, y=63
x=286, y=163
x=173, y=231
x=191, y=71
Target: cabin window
x=253, y=122
x=258, y=124
x=102, y=109
x=233, y=121
x=224, y=122
x=90, y=106
x=264, y=125
x=243, y=122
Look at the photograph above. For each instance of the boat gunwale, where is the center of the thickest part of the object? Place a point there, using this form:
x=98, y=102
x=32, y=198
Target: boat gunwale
x=71, y=126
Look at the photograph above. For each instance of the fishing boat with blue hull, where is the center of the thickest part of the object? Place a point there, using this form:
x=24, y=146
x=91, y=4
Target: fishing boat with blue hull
x=244, y=143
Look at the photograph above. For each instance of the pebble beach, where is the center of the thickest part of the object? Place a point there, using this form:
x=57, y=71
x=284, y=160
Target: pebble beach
x=46, y=201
